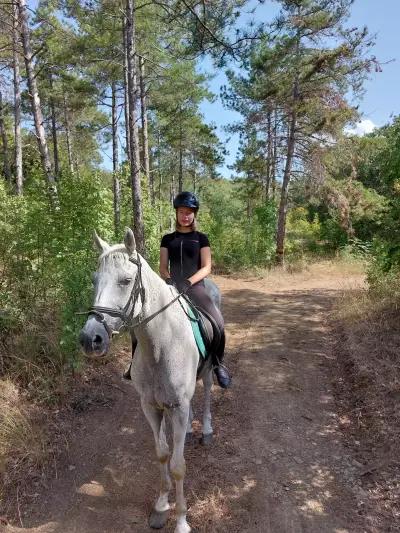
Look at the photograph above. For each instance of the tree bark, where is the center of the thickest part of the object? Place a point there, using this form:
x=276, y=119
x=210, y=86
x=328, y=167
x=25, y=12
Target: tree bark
x=3, y=134
x=54, y=129
x=274, y=154
x=180, y=172
x=116, y=182
x=126, y=95
x=269, y=157
x=194, y=176
x=68, y=136
x=172, y=194
x=19, y=177
x=138, y=226
x=36, y=106
x=281, y=231
x=145, y=133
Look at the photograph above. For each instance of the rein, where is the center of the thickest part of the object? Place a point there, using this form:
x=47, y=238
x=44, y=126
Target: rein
x=138, y=290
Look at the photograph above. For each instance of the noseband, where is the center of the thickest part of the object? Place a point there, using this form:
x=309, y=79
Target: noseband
x=126, y=315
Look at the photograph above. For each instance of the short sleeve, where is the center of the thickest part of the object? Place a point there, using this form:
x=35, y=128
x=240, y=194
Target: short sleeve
x=165, y=241
x=203, y=240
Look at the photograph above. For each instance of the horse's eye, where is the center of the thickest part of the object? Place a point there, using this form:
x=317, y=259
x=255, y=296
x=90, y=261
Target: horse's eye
x=125, y=281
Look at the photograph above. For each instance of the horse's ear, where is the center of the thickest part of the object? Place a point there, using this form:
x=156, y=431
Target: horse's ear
x=101, y=245
x=129, y=241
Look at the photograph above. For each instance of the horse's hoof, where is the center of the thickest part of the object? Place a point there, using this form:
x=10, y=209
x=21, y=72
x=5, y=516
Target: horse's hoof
x=206, y=440
x=189, y=438
x=158, y=519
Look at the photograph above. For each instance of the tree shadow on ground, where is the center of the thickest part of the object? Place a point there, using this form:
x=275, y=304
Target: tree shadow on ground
x=277, y=464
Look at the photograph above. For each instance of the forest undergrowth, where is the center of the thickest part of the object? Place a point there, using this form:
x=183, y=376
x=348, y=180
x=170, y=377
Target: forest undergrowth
x=367, y=333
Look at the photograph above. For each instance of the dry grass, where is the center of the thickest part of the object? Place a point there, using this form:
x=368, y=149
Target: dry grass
x=326, y=273
x=368, y=347
x=24, y=445
x=31, y=357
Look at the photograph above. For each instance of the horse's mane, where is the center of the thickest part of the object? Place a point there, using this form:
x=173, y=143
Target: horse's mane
x=116, y=255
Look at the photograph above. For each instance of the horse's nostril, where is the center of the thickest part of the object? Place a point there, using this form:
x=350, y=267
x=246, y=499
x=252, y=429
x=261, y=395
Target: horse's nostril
x=97, y=340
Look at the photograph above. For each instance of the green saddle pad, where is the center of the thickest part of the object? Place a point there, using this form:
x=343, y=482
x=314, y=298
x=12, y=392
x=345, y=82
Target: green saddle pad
x=197, y=333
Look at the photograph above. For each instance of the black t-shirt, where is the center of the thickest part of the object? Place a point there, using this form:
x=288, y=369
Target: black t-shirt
x=184, y=252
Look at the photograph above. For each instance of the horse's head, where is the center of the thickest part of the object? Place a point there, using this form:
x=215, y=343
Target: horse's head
x=118, y=294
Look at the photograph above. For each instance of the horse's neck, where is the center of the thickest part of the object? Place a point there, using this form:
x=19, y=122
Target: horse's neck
x=158, y=293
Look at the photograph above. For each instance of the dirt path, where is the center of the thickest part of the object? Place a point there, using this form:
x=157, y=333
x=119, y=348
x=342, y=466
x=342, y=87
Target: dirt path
x=277, y=465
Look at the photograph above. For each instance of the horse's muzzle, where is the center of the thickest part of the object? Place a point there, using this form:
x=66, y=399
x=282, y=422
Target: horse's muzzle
x=94, y=338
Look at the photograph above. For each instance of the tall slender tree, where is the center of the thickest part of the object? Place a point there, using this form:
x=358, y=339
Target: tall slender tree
x=35, y=99
x=19, y=178
x=134, y=138
x=3, y=135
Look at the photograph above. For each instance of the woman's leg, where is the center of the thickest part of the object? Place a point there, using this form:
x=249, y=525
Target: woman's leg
x=197, y=293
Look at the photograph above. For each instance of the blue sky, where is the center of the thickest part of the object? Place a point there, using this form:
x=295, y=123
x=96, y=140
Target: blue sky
x=381, y=99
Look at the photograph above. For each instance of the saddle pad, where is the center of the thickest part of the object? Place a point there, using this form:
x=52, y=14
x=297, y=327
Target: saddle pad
x=197, y=333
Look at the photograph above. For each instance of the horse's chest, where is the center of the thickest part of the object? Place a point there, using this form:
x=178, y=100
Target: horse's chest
x=163, y=383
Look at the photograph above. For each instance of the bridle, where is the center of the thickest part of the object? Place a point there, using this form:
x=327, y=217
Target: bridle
x=126, y=314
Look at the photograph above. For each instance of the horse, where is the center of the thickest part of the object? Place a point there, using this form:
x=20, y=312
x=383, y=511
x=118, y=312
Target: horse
x=128, y=293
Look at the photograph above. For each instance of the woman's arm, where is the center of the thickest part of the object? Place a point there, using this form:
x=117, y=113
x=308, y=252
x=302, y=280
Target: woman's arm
x=164, y=271
x=204, y=271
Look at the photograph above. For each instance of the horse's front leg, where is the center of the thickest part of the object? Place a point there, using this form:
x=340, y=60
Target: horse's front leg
x=189, y=428
x=207, y=427
x=160, y=512
x=179, y=417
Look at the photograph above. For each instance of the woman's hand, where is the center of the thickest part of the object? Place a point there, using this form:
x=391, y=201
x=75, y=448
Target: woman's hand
x=184, y=285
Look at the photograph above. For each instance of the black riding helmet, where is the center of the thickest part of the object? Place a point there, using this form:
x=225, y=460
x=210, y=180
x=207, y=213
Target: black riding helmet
x=186, y=199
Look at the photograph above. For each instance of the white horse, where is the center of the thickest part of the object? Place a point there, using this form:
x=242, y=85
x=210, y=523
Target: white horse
x=129, y=293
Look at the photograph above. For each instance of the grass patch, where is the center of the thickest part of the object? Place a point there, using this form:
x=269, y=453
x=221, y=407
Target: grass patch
x=367, y=323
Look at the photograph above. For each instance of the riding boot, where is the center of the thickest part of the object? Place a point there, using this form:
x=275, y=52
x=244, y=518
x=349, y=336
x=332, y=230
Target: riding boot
x=127, y=373
x=223, y=377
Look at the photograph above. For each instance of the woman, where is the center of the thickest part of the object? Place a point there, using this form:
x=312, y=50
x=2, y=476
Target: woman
x=185, y=260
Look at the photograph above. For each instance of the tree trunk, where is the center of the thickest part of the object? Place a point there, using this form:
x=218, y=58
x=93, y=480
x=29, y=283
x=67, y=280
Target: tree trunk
x=68, y=136
x=274, y=154
x=180, y=173
x=54, y=129
x=194, y=177
x=126, y=95
x=36, y=107
x=138, y=227
x=3, y=134
x=145, y=133
x=116, y=183
x=281, y=231
x=160, y=180
x=172, y=194
x=269, y=157
x=19, y=178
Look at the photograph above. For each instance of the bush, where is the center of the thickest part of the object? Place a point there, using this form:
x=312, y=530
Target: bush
x=46, y=257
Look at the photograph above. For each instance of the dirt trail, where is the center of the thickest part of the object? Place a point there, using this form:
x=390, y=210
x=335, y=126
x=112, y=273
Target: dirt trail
x=277, y=465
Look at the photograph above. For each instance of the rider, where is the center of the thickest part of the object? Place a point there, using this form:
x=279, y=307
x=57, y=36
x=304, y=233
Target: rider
x=185, y=260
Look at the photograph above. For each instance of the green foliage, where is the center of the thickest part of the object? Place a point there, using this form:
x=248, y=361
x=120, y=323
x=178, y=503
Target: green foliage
x=239, y=239
x=303, y=235
x=47, y=255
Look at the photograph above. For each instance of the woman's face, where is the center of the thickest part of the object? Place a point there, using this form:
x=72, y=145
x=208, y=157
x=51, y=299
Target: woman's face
x=185, y=216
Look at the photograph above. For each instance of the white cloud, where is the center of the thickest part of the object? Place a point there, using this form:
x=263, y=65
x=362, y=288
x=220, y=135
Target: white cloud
x=361, y=128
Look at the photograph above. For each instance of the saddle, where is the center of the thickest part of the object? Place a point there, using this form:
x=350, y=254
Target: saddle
x=206, y=333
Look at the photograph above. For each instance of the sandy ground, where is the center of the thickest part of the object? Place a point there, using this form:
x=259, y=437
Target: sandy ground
x=278, y=463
